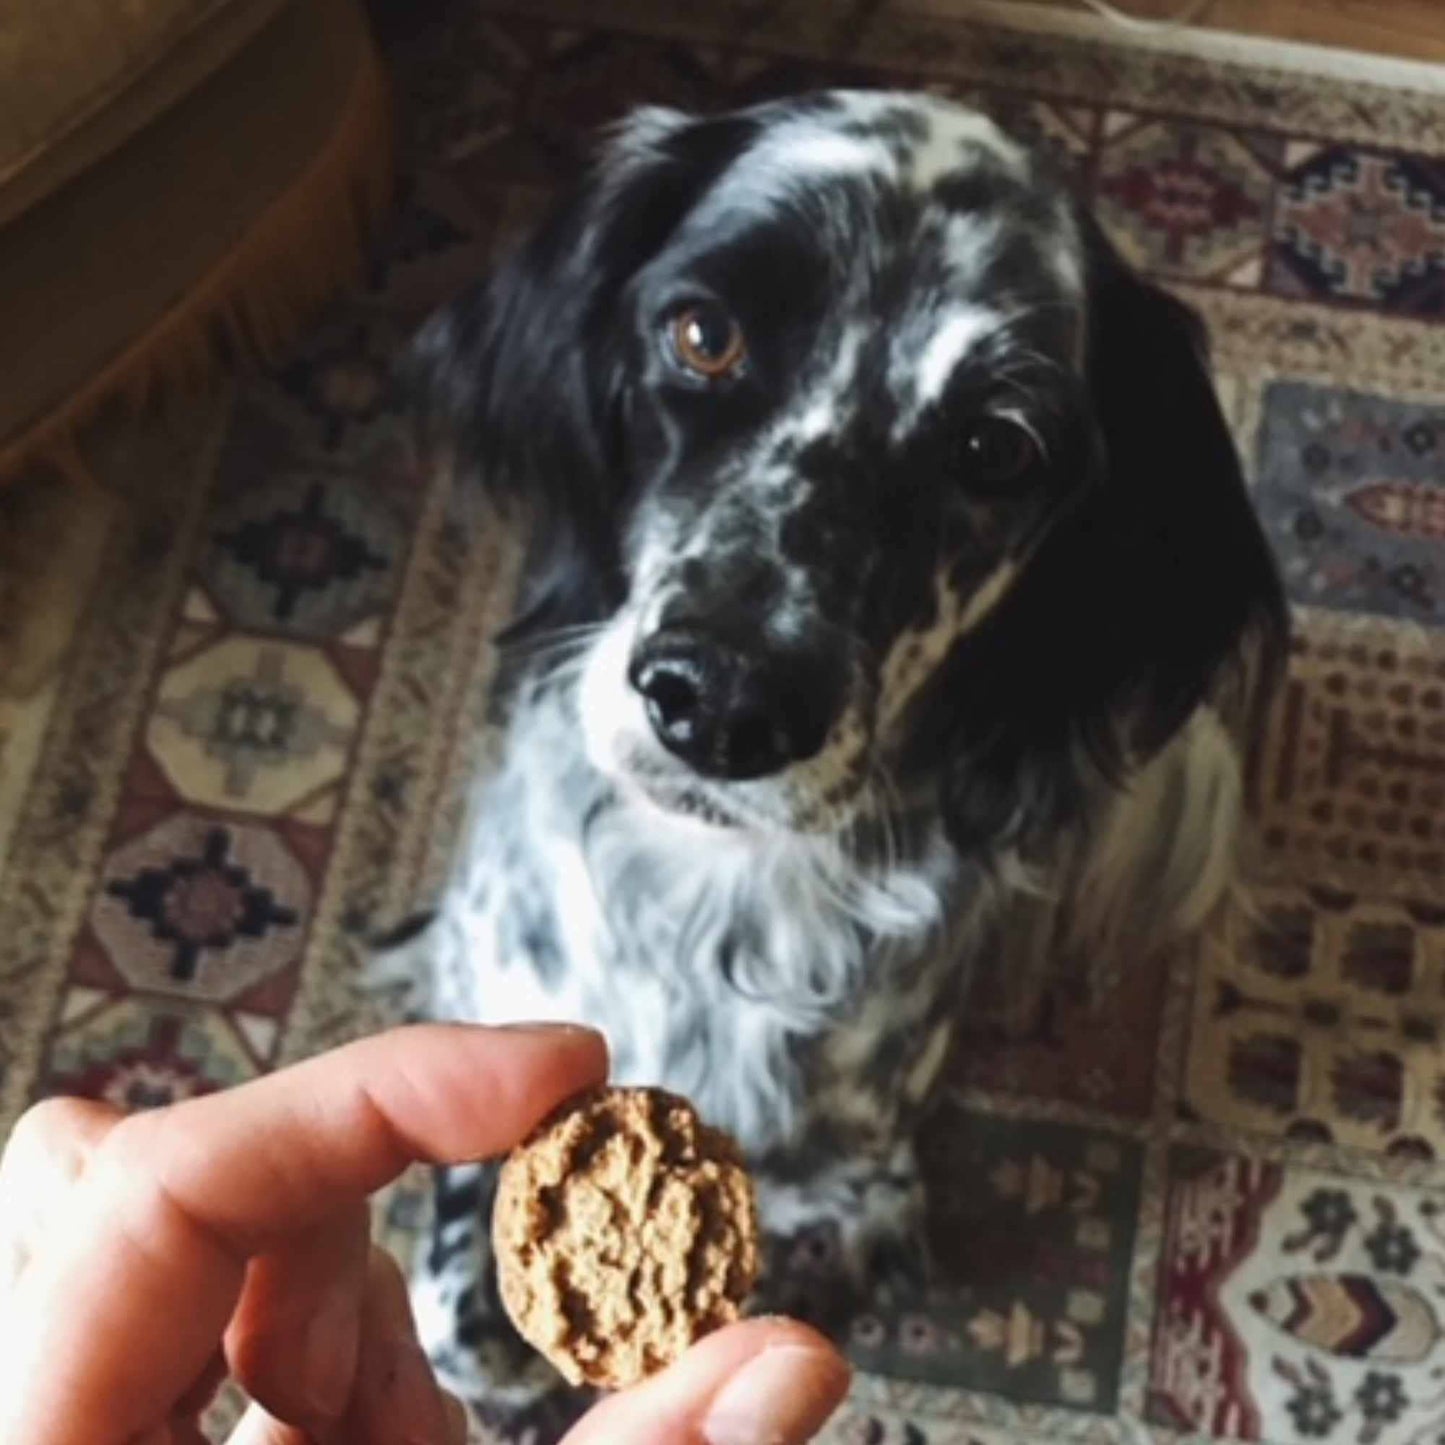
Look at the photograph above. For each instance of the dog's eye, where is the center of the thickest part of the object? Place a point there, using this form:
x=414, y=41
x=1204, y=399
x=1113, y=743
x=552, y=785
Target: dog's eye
x=708, y=342
x=997, y=450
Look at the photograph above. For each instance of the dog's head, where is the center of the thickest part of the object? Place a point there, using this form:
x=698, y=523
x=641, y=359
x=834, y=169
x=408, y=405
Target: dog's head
x=874, y=464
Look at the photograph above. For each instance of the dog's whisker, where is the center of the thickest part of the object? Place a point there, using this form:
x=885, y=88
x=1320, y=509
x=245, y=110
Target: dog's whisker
x=557, y=655
x=557, y=638
x=887, y=808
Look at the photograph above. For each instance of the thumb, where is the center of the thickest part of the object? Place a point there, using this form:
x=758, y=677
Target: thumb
x=763, y=1382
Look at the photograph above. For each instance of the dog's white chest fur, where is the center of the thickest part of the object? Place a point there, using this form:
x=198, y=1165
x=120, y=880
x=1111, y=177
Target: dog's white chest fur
x=775, y=982
x=716, y=963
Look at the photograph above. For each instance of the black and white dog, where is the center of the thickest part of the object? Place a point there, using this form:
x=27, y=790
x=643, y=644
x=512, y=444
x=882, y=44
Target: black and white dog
x=896, y=602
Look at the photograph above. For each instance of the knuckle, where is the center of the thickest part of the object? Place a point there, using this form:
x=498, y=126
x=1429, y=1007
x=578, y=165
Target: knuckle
x=54, y=1128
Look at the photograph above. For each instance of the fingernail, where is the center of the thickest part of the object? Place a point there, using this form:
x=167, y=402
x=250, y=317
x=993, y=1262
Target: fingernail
x=780, y=1398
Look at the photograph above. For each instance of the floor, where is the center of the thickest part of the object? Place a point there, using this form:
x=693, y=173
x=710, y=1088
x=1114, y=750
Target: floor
x=1414, y=29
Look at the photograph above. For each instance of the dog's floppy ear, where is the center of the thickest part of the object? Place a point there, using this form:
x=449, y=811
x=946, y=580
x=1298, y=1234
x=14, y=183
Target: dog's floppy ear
x=1157, y=591
x=1168, y=548
x=521, y=380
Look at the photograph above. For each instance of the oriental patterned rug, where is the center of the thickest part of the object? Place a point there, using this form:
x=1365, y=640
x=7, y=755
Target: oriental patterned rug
x=1207, y=1203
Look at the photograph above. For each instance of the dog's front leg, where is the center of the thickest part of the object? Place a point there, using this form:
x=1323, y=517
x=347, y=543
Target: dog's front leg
x=845, y=1233
x=474, y=1349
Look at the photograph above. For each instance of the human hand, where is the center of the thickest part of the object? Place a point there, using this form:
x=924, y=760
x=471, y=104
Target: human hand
x=142, y=1259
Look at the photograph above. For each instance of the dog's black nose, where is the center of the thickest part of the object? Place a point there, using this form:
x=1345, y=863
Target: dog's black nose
x=724, y=712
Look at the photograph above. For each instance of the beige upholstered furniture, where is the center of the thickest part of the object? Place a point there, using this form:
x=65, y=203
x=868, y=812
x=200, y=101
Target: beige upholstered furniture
x=179, y=179
x=181, y=183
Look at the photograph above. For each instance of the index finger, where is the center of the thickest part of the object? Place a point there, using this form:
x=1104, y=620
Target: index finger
x=127, y=1304
x=293, y=1147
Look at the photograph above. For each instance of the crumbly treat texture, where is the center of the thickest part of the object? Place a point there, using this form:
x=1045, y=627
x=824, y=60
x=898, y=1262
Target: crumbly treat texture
x=625, y=1229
